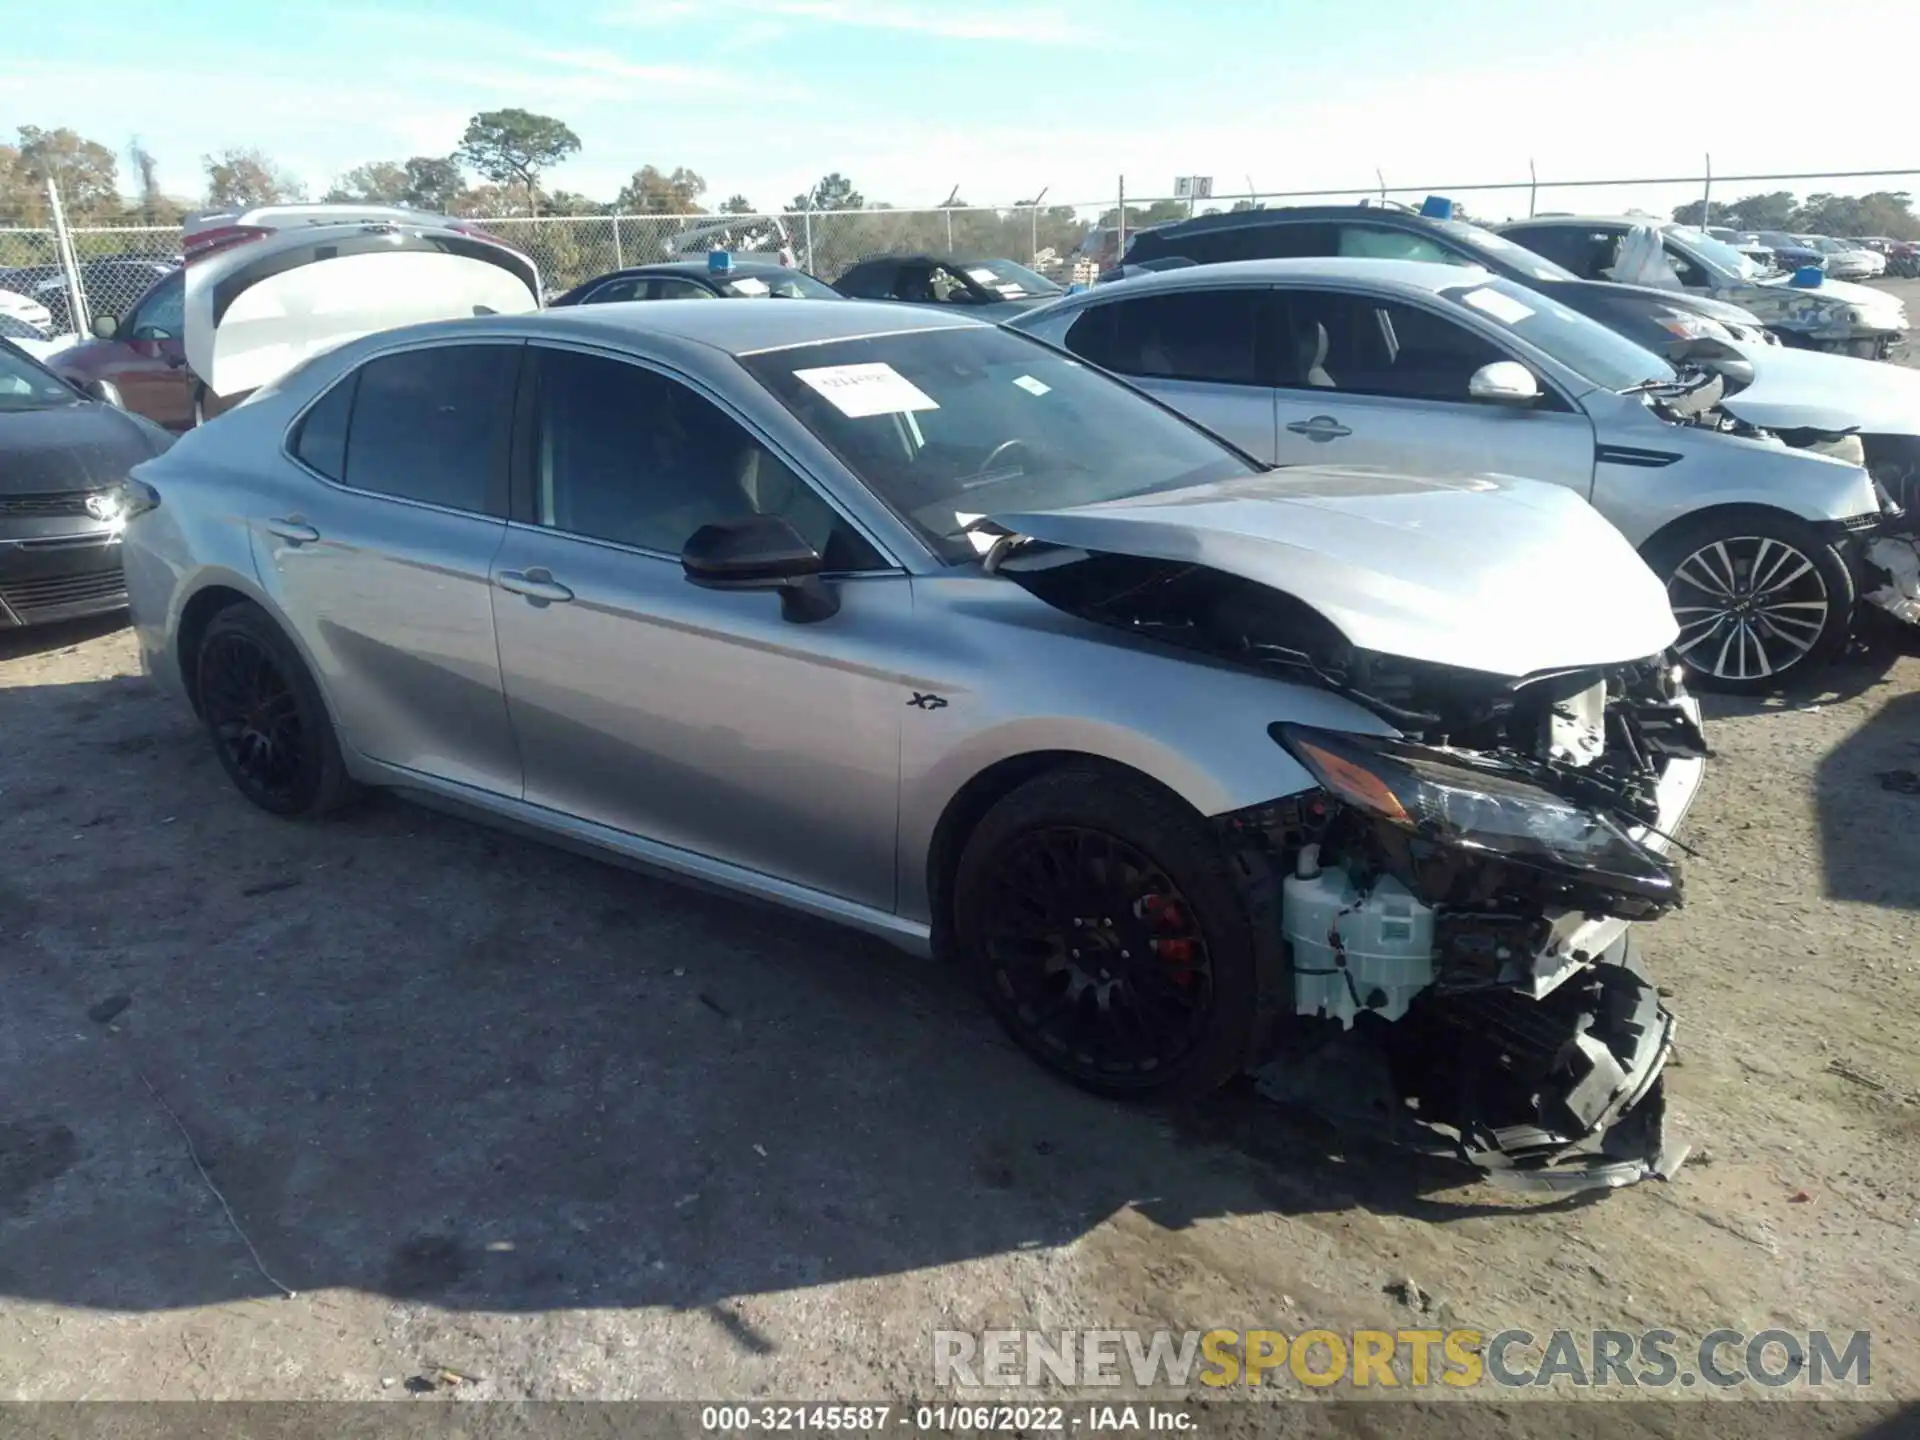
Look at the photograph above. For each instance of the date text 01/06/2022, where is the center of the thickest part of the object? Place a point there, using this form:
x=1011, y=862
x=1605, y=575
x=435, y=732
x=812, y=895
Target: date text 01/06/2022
x=941, y=1419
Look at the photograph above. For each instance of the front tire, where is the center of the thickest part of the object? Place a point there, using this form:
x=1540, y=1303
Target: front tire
x=264, y=713
x=1105, y=930
x=1760, y=598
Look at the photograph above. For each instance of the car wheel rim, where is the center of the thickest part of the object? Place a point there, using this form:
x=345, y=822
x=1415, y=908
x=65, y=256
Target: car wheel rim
x=1096, y=953
x=255, y=717
x=1749, y=607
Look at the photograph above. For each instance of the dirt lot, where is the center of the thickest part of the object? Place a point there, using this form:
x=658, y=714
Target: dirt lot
x=571, y=1132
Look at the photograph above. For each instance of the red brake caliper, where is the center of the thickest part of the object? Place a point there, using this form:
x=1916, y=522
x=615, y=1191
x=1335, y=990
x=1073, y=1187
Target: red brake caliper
x=1162, y=914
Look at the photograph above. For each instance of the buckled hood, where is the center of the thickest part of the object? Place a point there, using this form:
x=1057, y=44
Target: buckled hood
x=1807, y=390
x=1489, y=573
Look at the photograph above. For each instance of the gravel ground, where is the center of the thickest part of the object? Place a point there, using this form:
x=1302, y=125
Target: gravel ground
x=489, y=1107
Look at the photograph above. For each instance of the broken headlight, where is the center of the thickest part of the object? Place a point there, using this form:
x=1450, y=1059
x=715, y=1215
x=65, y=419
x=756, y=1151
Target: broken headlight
x=1445, y=799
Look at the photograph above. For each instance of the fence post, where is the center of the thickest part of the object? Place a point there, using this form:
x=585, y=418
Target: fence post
x=806, y=225
x=1122, y=241
x=69, y=262
x=1706, y=197
x=1533, y=189
x=1033, y=236
x=949, y=229
x=619, y=255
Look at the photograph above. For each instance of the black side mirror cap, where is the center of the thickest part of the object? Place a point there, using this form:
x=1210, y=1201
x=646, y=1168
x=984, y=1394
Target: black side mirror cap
x=761, y=552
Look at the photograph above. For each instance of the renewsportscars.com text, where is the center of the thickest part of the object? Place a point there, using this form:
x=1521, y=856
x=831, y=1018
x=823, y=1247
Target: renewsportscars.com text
x=1393, y=1359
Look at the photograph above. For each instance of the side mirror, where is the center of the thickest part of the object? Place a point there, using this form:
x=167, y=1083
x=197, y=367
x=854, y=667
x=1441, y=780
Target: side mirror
x=761, y=552
x=106, y=392
x=1504, y=382
x=106, y=327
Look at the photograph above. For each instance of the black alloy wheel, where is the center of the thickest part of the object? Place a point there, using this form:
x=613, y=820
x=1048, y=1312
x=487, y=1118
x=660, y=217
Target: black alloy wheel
x=268, y=724
x=1106, y=935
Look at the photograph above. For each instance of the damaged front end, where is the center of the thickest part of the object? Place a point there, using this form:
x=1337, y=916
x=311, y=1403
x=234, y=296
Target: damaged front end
x=1446, y=909
x=1454, y=929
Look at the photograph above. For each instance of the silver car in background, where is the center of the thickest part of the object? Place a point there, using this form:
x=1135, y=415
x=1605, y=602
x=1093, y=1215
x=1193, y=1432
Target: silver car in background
x=1440, y=369
x=916, y=624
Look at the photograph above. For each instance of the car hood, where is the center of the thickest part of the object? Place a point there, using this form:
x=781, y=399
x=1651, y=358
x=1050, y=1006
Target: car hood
x=1767, y=297
x=1807, y=390
x=1486, y=572
x=78, y=447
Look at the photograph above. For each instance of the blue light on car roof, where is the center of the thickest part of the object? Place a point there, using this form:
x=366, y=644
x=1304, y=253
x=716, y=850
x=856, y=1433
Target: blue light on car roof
x=1437, y=207
x=719, y=262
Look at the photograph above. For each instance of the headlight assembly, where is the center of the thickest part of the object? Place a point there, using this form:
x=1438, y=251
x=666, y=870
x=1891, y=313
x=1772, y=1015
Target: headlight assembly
x=1437, y=796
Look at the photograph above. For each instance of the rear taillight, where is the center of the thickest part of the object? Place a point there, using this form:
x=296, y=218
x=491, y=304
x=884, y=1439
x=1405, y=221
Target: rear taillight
x=221, y=237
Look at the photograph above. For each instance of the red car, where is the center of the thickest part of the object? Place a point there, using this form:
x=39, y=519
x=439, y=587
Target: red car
x=142, y=354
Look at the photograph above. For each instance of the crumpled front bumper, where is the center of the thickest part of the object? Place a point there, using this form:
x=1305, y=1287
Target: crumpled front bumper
x=1583, y=995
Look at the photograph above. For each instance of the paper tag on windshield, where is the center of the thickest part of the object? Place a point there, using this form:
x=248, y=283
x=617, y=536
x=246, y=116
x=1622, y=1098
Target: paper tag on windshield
x=858, y=391
x=1031, y=385
x=984, y=277
x=747, y=285
x=1503, y=308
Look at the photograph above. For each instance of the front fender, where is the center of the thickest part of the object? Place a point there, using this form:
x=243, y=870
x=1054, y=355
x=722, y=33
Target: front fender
x=1715, y=470
x=1195, y=727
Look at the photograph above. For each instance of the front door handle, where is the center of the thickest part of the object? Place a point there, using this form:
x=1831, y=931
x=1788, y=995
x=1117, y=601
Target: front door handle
x=1320, y=427
x=536, y=584
x=293, y=530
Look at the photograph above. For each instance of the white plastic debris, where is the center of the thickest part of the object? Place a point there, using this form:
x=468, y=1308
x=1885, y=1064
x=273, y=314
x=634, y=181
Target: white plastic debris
x=1899, y=556
x=1643, y=261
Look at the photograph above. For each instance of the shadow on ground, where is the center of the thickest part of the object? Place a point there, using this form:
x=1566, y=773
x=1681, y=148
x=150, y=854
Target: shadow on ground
x=428, y=1060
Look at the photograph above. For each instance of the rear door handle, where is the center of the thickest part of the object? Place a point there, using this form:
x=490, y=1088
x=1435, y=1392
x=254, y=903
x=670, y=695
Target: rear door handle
x=535, y=584
x=1320, y=427
x=293, y=530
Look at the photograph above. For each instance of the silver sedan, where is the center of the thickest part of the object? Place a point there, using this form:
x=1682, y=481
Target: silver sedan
x=919, y=625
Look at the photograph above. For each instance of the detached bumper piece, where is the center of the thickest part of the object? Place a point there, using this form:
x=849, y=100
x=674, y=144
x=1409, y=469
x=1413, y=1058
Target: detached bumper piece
x=1544, y=1097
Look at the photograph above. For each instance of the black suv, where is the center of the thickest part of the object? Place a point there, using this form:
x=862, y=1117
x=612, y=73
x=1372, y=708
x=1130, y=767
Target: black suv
x=1660, y=320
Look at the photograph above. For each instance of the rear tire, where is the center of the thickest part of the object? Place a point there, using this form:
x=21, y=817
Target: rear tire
x=1106, y=932
x=264, y=714
x=1761, y=599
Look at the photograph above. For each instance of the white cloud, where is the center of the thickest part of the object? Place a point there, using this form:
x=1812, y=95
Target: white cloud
x=952, y=22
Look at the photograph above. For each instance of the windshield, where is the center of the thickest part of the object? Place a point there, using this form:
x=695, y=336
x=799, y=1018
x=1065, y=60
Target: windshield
x=1008, y=280
x=946, y=426
x=1716, y=255
x=25, y=386
x=1827, y=245
x=1586, y=347
x=1510, y=253
x=781, y=285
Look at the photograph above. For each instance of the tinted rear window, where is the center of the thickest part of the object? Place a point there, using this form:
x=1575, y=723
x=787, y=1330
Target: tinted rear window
x=432, y=424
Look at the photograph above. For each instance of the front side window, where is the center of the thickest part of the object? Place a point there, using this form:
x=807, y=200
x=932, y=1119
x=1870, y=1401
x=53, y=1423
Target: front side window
x=674, y=287
x=629, y=455
x=868, y=282
x=162, y=315
x=628, y=287
x=946, y=426
x=25, y=386
x=1367, y=346
x=431, y=425
x=1585, y=252
x=1205, y=335
x=1497, y=249
x=1379, y=243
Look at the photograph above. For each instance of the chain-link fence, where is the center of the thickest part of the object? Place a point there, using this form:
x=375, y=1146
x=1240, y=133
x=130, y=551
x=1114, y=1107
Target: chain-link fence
x=116, y=267
x=1065, y=241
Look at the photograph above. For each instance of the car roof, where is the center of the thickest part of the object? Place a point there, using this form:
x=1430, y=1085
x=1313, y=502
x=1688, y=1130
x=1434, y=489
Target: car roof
x=697, y=269
x=1235, y=219
x=1653, y=220
x=1406, y=275
x=730, y=329
x=922, y=257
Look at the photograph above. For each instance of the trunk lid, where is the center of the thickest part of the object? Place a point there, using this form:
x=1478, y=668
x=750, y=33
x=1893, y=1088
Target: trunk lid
x=261, y=302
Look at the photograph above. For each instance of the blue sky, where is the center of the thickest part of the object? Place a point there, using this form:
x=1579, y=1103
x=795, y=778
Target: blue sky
x=913, y=97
